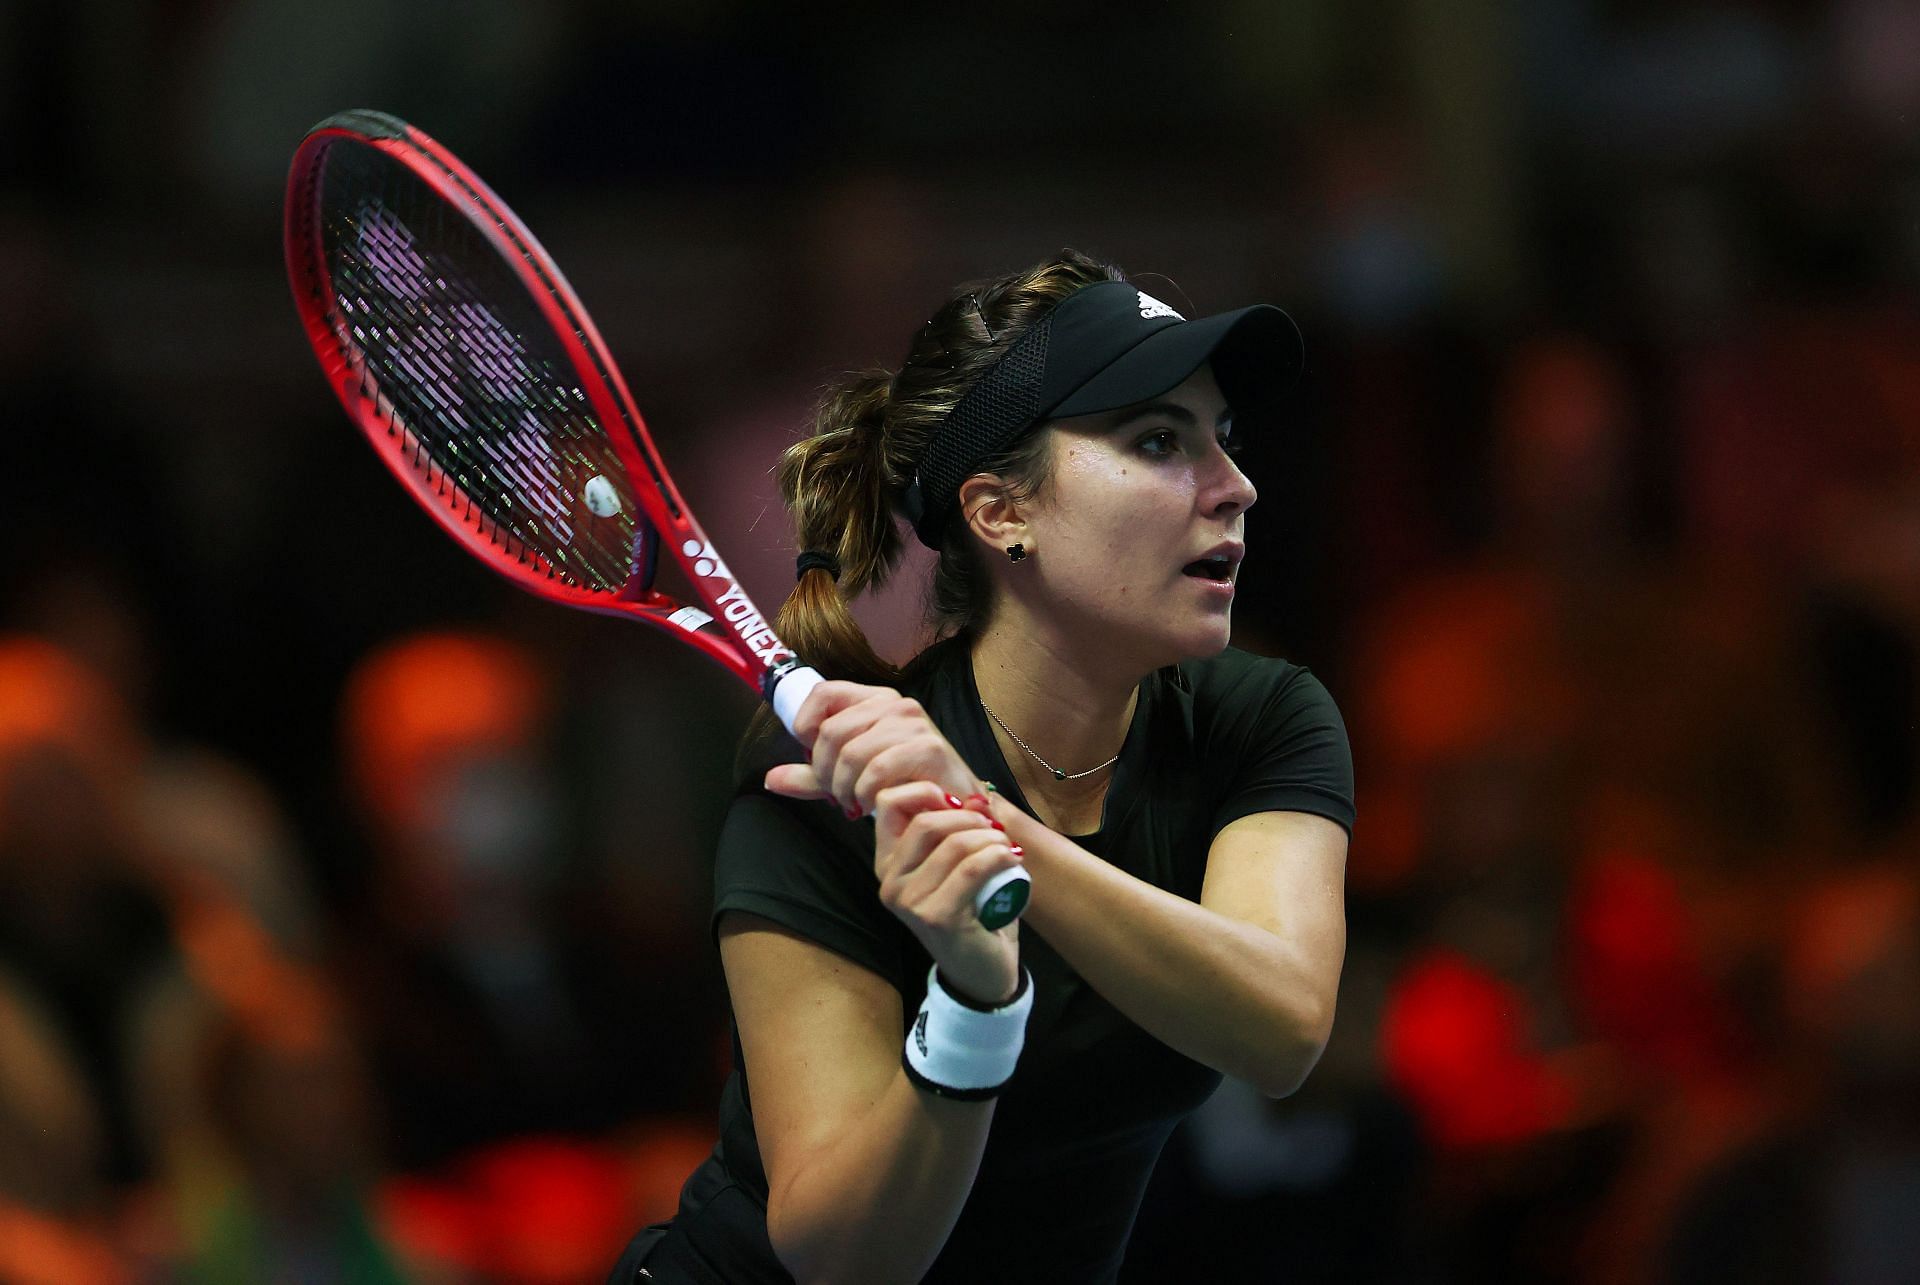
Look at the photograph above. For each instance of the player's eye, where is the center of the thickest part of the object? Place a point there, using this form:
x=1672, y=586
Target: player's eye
x=1161, y=442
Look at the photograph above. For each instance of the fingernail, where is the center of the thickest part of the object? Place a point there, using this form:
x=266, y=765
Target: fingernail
x=996, y=825
x=1016, y=850
x=981, y=799
x=853, y=814
x=954, y=801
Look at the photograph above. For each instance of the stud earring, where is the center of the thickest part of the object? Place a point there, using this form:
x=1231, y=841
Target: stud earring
x=1016, y=552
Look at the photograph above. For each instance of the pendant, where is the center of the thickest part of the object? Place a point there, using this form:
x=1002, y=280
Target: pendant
x=1058, y=775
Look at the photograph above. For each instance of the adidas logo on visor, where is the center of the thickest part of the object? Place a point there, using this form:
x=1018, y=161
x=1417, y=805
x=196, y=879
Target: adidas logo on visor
x=1151, y=307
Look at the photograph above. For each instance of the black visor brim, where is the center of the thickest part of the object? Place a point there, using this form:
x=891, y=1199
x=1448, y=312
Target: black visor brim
x=1257, y=355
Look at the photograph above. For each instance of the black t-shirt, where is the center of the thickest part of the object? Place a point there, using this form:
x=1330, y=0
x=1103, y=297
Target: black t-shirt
x=1076, y=1132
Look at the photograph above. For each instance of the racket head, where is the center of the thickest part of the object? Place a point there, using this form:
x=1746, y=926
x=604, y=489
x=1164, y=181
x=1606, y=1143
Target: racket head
x=469, y=364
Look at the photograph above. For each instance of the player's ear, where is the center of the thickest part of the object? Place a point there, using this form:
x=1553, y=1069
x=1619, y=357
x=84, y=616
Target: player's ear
x=990, y=511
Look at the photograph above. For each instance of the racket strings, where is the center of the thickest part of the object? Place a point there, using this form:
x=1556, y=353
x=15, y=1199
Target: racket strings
x=477, y=393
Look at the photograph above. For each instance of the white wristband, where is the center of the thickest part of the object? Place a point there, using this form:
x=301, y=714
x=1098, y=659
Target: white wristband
x=958, y=1051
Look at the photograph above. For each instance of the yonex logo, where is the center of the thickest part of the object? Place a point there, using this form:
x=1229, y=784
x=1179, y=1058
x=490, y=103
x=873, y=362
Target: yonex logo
x=1151, y=307
x=920, y=1033
x=733, y=605
x=706, y=561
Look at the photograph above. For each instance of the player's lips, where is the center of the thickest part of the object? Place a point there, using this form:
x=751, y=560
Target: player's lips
x=1218, y=565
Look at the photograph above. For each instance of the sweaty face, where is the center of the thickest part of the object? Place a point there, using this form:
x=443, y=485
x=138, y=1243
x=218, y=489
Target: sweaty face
x=1139, y=497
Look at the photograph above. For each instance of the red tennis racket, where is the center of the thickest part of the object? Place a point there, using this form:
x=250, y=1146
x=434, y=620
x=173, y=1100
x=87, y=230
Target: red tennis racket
x=473, y=370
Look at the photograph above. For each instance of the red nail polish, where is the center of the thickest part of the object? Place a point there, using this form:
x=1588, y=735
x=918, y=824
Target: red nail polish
x=853, y=814
x=1016, y=850
x=996, y=825
x=954, y=801
x=980, y=799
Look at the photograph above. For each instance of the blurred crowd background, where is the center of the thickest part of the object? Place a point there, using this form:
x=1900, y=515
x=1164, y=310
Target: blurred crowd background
x=353, y=907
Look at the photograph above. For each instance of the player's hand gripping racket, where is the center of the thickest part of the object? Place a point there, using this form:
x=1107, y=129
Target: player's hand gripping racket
x=464, y=356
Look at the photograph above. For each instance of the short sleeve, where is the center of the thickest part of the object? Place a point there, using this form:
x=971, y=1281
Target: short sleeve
x=1280, y=741
x=810, y=877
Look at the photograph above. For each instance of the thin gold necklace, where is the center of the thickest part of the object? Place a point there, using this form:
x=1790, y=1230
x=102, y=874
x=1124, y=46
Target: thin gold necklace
x=1058, y=775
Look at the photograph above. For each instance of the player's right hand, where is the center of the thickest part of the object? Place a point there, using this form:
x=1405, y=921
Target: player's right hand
x=932, y=860
x=860, y=739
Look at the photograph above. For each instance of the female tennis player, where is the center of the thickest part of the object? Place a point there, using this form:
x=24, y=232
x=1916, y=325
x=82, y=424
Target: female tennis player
x=917, y=1097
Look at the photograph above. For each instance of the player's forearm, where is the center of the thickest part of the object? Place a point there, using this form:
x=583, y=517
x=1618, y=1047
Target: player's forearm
x=1226, y=993
x=878, y=1202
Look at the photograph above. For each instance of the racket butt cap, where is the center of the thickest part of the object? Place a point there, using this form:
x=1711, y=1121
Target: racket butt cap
x=1003, y=899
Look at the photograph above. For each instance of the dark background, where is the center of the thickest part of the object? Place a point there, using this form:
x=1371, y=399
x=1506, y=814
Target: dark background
x=352, y=916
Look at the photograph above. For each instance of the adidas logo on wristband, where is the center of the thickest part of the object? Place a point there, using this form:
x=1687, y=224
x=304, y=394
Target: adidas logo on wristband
x=960, y=1052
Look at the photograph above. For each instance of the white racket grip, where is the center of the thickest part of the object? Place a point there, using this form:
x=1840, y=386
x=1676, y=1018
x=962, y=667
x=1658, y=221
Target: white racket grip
x=790, y=693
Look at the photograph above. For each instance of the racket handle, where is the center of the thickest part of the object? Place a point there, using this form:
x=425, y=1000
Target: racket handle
x=1005, y=895
x=787, y=687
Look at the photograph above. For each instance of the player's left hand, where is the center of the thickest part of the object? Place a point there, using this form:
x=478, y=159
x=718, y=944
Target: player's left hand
x=860, y=739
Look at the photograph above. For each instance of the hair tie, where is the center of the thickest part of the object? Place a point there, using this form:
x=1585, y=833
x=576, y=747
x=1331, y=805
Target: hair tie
x=813, y=558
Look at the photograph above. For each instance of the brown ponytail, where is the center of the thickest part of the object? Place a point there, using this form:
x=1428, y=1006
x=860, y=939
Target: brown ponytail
x=841, y=483
x=835, y=486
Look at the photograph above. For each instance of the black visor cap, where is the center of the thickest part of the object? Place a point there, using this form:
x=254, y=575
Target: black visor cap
x=1104, y=347
x=1113, y=345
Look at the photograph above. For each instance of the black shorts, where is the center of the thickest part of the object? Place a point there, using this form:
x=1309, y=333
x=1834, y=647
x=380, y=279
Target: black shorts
x=659, y=1256
x=632, y=1265
x=720, y=1241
